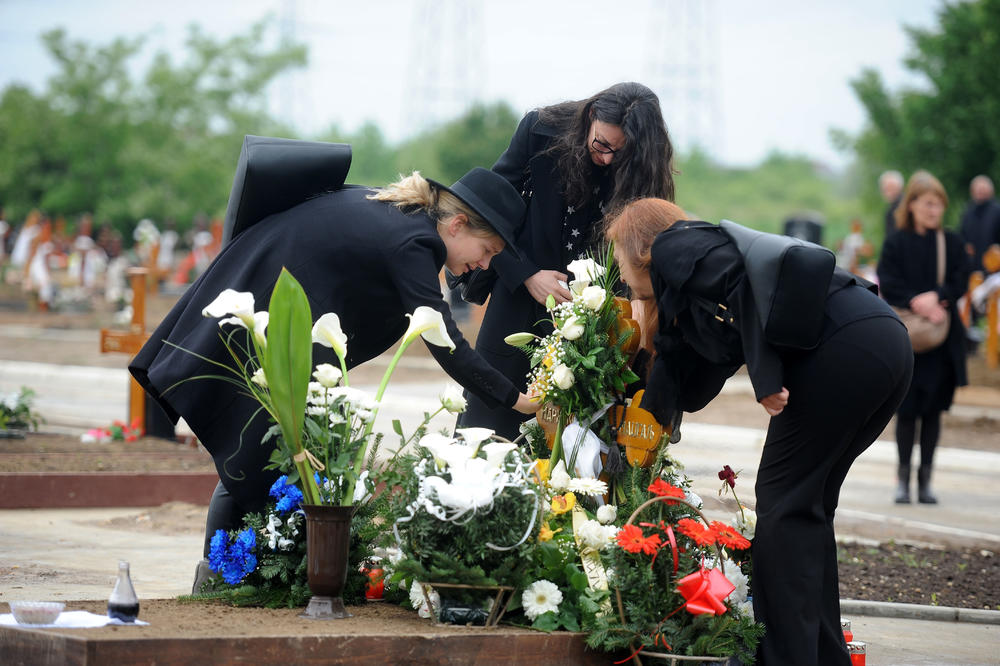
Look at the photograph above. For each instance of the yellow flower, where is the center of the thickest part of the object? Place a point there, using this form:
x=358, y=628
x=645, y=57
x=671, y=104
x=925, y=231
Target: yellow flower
x=542, y=470
x=546, y=533
x=563, y=503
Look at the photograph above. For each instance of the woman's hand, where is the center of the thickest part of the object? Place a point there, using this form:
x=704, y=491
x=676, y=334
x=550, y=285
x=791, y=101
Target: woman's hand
x=543, y=283
x=526, y=404
x=775, y=403
x=927, y=305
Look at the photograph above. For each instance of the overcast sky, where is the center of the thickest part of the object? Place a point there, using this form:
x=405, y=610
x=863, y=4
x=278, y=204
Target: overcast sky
x=739, y=77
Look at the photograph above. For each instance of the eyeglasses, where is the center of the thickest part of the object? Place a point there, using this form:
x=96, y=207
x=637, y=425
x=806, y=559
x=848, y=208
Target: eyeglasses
x=603, y=147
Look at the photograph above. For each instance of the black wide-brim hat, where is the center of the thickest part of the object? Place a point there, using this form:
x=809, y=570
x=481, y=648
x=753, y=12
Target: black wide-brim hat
x=494, y=199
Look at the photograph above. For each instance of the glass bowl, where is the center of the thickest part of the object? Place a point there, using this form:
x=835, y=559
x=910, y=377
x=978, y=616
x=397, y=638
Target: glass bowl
x=36, y=612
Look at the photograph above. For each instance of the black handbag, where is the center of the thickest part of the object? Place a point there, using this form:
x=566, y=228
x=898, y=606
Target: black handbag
x=274, y=174
x=789, y=279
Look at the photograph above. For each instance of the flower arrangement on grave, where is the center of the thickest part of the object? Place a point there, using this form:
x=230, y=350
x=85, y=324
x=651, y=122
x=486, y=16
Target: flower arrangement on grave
x=324, y=429
x=466, y=515
x=681, y=582
x=16, y=412
x=582, y=367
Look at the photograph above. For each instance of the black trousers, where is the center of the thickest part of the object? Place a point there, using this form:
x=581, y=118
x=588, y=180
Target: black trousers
x=841, y=396
x=224, y=513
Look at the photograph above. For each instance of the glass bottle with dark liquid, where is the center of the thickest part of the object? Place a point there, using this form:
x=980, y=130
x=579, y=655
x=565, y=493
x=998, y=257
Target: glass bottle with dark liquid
x=123, y=604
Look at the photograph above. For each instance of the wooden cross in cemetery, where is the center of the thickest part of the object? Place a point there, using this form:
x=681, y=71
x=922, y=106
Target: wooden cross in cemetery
x=131, y=341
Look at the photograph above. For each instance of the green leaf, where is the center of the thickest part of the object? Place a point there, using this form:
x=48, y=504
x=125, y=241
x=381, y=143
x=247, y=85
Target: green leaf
x=546, y=622
x=397, y=427
x=287, y=359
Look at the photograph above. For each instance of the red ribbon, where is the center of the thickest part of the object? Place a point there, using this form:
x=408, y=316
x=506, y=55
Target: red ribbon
x=705, y=590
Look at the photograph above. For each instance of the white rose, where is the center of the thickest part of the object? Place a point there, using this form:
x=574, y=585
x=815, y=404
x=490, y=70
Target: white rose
x=572, y=329
x=453, y=400
x=607, y=513
x=593, y=297
x=563, y=377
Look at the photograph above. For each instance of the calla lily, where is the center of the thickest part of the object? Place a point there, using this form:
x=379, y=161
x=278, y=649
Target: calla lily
x=327, y=332
x=437, y=444
x=429, y=324
x=585, y=269
x=471, y=485
x=496, y=452
x=576, y=287
x=259, y=378
x=475, y=436
x=453, y=400
x=232, y=302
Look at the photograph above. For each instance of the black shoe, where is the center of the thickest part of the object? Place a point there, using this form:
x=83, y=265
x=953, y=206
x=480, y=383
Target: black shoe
x=202, y=574
x=903, y=489
x=924, y=494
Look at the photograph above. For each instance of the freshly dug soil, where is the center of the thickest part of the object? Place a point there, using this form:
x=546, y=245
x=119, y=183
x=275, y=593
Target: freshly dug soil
x=956, y=577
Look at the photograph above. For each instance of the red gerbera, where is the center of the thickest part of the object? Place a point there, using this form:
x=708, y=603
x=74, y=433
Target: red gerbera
x=728, y=536
x=700, y=534
x=664, y=489
x=632, y=540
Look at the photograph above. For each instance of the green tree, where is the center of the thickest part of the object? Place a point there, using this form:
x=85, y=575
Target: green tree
x=163, y=146
x=949, y=126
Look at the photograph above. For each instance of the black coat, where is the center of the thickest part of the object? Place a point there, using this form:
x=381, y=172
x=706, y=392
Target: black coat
x=511, y=308
x=980, y=228
x=364, y=260
x=694, y=265
x=907, y=267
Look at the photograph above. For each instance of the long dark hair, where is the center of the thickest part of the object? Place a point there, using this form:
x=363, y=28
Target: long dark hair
x=644, y=165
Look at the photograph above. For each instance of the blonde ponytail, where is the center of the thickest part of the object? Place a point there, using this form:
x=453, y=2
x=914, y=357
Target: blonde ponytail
x=416, y=192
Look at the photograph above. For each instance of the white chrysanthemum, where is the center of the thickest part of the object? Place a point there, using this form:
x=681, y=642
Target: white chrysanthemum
x=694, y=499
x=356, y=397
x=558, y=477
x=541, y=597
x=327, y=375
x=746, y=523
x=594, y=535
x=740, y=580
x=745, y=609
x=453, y=400
x=419, y=602
x=607, y=513
x=588, y=486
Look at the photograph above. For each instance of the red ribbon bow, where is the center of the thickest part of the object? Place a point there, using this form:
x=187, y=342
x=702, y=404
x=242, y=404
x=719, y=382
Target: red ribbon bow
x=705, y=590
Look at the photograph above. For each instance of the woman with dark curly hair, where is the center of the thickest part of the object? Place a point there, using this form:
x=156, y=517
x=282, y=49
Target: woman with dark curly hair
x=572, y=162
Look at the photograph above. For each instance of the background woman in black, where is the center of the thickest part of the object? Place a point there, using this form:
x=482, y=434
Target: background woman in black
x=369, y=256
x=572, y=162
x=827, y=404
x=907, y=273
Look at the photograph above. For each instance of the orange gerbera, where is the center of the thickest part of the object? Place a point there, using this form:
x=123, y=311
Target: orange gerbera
x=664, y=489
x=728, y=536
x=632, y=540
x=700, y=534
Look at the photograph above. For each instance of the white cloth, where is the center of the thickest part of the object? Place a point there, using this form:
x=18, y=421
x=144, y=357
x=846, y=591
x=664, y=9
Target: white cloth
x=69, y=620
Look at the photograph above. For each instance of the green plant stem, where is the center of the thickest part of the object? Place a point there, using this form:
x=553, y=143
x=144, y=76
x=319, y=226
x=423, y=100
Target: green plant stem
x=359, y=457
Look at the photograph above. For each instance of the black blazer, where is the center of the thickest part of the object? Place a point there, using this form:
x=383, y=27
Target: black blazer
x=694, y=265
x=364, y=260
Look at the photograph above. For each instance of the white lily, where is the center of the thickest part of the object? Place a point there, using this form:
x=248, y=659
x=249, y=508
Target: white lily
x=520, y=339
x=577, y=286
x=327, y=332
x=585, y=269
x=471, y=485
x=572, y=328
x=453, y=400
x=429, y=324
x=232, y=302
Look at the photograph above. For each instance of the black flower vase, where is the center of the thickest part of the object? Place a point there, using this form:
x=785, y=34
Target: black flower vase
x=328, y=545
